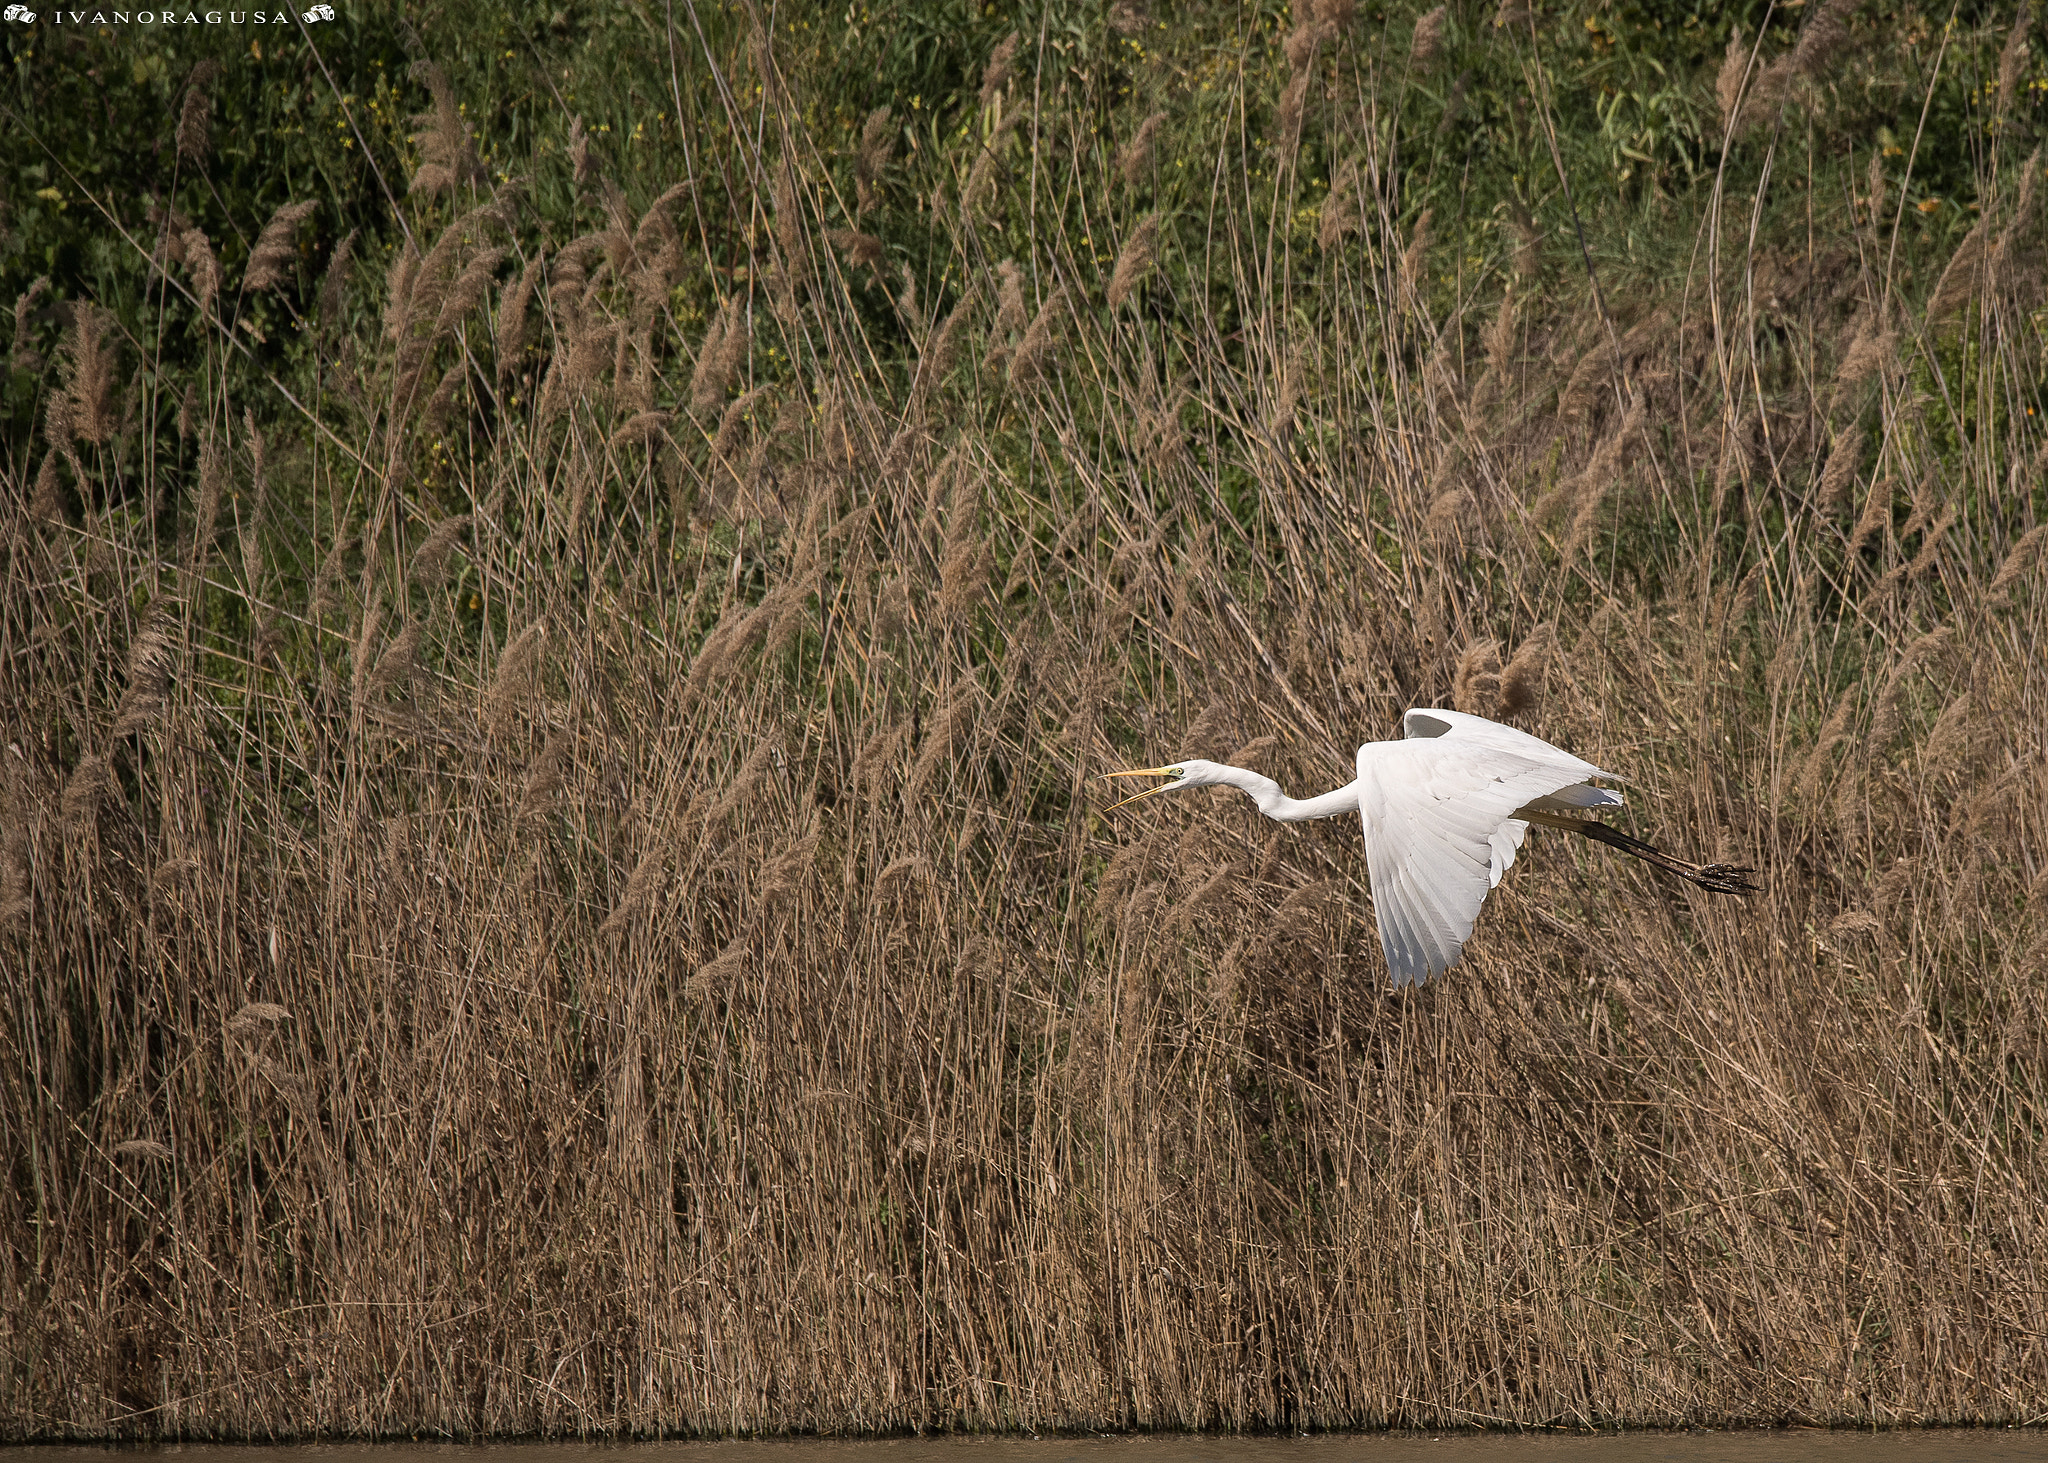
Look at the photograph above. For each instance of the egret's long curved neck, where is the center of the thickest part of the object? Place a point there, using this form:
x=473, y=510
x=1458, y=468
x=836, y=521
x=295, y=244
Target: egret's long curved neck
x=1276, y=804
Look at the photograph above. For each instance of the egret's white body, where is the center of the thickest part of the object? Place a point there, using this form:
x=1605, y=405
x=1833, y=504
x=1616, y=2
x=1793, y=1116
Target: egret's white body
x=1445, y=810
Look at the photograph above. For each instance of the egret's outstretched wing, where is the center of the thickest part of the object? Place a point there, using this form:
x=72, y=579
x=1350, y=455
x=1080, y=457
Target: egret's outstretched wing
x=1457, y=728
x=1432, y=722
x=1439, y=831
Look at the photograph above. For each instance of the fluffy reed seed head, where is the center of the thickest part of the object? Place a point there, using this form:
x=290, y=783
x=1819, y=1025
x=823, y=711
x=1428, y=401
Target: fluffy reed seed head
x=1012, y=314
x=1502, y=334
x=1729, y=80
x=2005, y=253
x=468, y=291
x=150, y=656
x=1964, y=276
x=733, y=432
x=399, y=663
x=761, y=52
x=515, y=327
x=517, y=674
x=1475, y=686
x=276, y=247
x=1521, y=684
x=996, y=77
x=964, y=566
x=579, y=150
x=1871, y=351
x=326, y=592
x=1838, y=478
x=1831, y=734
x=22, y=356
x=429, y=561
x=1528, y=241
x=360, y=664
x=1876, y=516
x=1287, y=118
x=1301, y=45
x=2033, y=545
x=204, y=268
x=1034, y=352
x=1130, y=17
x=1134, y=261
x=398, y=286
x=334, y=283
x=90, y=782
x=193, y=116
x=726, y=343
x=943, y=346
x=447, y=154
x=1136, y=158
x=213, y=473
x=2012, y=59
x=1414, y=259
x=1886, y=718
x=1429, y=40
x=788, y=225
x=861, y=250
x=89, y=376
x=980, y=184
x=643, y=887
x=1340, y=213
x=1448, y=514
x=876, y=148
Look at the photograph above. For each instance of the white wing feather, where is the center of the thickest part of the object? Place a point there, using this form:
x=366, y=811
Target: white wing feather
x=1439, y=830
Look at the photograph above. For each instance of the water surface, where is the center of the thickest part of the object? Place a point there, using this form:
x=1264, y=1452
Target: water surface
x=1747, y=1446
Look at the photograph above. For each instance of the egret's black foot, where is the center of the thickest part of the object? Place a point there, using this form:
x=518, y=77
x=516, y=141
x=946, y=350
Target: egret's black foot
x=1723, y=878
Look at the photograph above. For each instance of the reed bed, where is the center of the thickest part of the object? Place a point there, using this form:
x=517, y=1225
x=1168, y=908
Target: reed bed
x=554, y=881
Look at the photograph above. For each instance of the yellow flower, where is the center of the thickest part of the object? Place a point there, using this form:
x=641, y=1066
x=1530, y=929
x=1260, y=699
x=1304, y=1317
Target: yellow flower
x=1928, y=205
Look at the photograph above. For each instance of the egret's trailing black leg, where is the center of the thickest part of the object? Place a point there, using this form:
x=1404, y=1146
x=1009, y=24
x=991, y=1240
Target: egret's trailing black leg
x=1714, y=878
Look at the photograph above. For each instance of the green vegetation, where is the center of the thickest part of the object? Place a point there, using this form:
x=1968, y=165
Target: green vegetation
x=568, y=578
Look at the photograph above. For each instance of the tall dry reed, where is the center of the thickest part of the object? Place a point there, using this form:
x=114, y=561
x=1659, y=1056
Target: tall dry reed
x=641, y=950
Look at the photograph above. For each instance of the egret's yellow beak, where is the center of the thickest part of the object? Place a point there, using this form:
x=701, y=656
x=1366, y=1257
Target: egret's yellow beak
x=1143, y=772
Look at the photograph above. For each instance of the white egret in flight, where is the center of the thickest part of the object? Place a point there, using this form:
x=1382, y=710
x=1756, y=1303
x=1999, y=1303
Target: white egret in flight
x=1444, y=812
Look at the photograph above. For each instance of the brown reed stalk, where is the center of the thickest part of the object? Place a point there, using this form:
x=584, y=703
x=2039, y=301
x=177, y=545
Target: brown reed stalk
x=759, y=983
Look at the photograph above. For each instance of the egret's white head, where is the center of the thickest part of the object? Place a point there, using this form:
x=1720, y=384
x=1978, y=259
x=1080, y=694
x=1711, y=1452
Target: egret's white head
x=1192, y=773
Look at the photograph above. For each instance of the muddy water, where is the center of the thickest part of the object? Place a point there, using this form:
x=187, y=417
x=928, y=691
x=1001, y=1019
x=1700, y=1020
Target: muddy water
x=1699, y=1447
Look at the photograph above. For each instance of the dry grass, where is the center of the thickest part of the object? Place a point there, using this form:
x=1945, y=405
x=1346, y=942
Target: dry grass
x=601, y=922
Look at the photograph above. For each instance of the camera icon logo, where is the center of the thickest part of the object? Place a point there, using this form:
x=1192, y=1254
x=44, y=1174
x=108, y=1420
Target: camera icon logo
x=318, y=13
x=21, y=13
